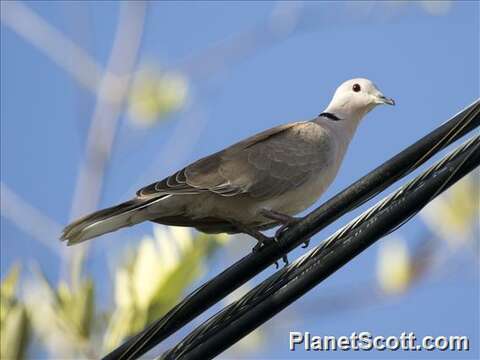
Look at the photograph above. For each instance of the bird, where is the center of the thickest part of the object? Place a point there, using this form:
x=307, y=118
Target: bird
x=253, y=185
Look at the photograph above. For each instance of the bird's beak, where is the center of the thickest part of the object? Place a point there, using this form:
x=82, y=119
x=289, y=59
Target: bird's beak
x=381, y=99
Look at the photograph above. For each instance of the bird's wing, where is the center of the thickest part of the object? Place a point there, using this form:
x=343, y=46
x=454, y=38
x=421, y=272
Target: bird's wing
x=262, y=166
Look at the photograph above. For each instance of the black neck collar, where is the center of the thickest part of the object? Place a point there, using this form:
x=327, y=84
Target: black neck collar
x=330, y=116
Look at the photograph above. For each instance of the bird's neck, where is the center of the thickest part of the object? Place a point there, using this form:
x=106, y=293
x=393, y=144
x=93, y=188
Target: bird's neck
x=343, y=118
x=347, y=112
x=341, y=122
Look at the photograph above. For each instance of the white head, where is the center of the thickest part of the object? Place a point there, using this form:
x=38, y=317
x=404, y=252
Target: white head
x=355, y=98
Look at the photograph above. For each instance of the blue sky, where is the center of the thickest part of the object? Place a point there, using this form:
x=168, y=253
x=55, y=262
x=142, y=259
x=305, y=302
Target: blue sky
x=427, y=62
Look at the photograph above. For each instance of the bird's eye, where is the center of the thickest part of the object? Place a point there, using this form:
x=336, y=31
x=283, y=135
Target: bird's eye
x=356, y=88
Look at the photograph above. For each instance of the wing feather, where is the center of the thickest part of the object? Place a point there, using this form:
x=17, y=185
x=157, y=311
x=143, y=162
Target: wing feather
x=265, y=165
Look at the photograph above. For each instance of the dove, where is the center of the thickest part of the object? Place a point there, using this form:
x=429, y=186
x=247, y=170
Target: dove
x=253, y=185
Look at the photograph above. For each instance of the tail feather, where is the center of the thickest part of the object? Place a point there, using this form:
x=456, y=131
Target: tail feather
x=105, y=221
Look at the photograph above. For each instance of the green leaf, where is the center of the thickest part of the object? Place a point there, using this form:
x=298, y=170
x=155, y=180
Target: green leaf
x=9, y=283
x=68, y=313
x=86, y=307
x=119, y=328
x=15, y=333
x=187, y=271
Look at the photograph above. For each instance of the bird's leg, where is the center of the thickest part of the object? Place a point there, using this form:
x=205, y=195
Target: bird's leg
x=262, y=239
x=285, y=220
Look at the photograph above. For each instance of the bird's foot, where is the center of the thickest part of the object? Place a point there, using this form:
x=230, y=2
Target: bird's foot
x=263, y=240
x=286, y=222
x=284, y=227
x=306, y=243
x=266, y=241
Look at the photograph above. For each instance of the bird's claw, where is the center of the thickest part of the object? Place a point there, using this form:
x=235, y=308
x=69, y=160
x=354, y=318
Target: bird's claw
x=280, y=230
x=306, y=243
x=257, y=247
x=284, y=256
x=263, y=241
x=266, y=241
x=285, y=261
x=285, y=227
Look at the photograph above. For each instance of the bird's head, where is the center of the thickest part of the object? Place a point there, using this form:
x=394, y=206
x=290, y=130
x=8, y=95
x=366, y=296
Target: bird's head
x=355, y=98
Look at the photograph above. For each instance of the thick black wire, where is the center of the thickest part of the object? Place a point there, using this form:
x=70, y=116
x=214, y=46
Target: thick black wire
x=243, y=270
x=288, y=284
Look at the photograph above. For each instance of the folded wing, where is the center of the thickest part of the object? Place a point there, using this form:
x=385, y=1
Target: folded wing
x=263, y=166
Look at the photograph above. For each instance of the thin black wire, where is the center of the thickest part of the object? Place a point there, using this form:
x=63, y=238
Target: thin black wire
x=243, y=270
x=208, y=339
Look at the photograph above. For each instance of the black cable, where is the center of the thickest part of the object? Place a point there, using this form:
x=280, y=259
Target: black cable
x=288, y=284
x=243, y=270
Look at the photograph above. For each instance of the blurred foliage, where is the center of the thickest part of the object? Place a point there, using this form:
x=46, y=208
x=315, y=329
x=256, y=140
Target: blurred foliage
x=155, y=94
x=14, y=323
x=154, y=278
x=452, y=215
x=393, y=266
x=62, y=316
x=65, y=318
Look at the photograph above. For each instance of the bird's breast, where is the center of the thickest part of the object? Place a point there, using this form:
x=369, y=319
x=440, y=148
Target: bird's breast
x=300, y=198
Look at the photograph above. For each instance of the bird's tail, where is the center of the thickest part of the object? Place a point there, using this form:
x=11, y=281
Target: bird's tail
x=106, y=220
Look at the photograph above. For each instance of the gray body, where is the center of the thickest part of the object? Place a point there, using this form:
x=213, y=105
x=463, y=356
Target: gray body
x=284, y=169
